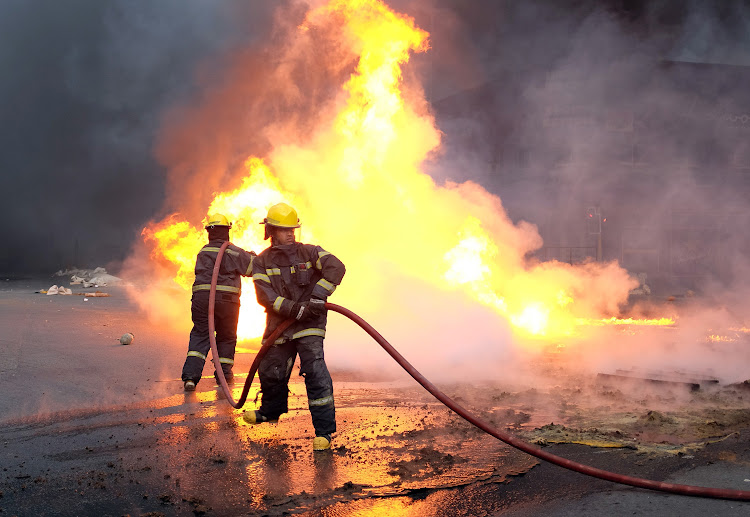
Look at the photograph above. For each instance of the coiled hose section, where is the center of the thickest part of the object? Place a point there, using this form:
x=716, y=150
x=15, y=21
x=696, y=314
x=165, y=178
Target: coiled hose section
x=698, y=491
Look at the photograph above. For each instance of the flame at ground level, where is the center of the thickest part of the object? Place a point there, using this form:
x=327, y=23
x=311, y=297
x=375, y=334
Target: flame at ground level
x=657, y=322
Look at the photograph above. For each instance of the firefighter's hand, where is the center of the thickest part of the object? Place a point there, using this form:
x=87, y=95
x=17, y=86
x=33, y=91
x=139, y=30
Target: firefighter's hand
x=317, y=307
x=301, y=311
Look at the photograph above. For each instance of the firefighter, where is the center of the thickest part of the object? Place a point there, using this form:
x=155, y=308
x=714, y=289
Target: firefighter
x=236, y=262
x=293, y=280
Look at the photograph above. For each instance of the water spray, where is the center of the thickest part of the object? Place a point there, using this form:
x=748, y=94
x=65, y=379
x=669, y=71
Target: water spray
x=698, y=491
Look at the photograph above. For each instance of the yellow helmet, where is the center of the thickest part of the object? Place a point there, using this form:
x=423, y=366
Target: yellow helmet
x=217, y=220
x=282, y=216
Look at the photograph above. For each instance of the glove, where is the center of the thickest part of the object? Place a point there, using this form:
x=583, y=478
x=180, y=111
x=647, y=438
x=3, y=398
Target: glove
x=300, y=311
x=304, y=310
x=317, y=307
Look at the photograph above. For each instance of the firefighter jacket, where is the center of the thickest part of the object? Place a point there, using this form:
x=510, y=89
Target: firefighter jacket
x=284, y=275
x=236, y=262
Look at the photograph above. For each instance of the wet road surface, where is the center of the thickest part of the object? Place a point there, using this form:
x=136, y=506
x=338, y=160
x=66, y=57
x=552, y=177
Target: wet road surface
x=174, y=454
x=91, y=427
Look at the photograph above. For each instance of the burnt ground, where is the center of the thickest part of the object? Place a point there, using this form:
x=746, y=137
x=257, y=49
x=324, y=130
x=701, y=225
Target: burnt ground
x=91, y=427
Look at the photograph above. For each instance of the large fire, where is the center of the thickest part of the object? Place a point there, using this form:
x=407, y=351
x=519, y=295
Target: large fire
x=357, y=182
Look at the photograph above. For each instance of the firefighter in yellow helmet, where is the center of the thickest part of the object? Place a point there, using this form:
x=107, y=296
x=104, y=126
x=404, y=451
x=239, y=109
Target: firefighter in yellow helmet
x=236, y=262
x=293, y=280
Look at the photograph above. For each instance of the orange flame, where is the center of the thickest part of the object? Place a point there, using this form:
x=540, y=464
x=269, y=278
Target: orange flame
x=356, y=181
x=653, y=322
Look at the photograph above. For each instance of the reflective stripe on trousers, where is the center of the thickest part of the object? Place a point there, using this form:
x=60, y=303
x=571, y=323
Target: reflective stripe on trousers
x=276, y=369
x=226, y=315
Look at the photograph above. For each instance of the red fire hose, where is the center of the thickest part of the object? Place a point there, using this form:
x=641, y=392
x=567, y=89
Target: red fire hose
x=717, y=493
x=215, y=351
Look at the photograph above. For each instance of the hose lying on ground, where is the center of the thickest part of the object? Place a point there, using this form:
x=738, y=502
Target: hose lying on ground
x=717, y=493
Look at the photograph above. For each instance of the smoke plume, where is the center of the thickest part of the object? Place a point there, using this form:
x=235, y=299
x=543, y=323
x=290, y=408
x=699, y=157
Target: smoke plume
x=117, y=115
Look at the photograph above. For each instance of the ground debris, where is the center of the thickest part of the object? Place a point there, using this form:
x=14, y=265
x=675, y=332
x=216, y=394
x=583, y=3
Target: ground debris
x=655, y=418
x=198, y=504
x=593, y=437
x=427, y=462
x=89, y=277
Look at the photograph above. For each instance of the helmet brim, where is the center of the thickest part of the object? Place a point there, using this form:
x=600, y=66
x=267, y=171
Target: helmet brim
x=265, y=221
x=283, y=225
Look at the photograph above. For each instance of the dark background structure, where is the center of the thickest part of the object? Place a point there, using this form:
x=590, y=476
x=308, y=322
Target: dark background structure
x=638, y=110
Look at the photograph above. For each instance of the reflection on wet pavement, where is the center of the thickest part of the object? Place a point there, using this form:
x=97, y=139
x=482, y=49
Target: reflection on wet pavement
x=195, y=452
x=397, y=451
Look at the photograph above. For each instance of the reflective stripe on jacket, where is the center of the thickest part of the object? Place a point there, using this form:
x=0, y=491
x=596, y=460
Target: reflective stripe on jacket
x=284, y=275
x=236, y=262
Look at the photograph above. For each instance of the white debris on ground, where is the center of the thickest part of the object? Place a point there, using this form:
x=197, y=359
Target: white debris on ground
x=58, y=290
x=85, y=278
x=63, y=290
x=89, y=277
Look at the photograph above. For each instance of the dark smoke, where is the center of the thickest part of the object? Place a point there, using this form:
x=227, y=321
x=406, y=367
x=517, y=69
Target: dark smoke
x=521, y=90
x=637, y=109
x=83, y=89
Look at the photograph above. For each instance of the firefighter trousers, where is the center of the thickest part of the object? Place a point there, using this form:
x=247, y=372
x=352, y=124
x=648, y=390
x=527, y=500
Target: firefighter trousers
x=226, y=315
x=275, y=370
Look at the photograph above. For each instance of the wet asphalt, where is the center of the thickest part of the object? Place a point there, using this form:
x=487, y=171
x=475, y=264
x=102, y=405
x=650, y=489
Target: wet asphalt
x=92, y=427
